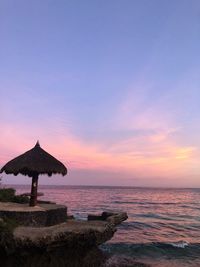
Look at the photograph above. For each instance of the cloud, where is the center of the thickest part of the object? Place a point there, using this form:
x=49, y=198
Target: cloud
x=145, y=138
x=140, y=156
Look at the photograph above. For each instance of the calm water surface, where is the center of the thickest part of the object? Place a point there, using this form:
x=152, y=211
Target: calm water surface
x=163, y=227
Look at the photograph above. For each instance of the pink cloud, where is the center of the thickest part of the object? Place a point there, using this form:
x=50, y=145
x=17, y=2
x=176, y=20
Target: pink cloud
x=153, y=155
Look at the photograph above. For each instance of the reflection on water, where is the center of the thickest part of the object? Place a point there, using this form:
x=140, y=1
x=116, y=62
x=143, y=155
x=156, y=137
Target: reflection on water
x=160, y=221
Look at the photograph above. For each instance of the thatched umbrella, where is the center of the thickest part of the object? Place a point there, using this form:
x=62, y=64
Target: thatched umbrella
x=32, y=163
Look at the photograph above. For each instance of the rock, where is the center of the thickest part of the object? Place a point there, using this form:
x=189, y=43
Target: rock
x=73, y=233
x=106, y=214
x=70, y=217
x=70, y=234
x=111, y=217
x=72, y=243
x=93, y=217
x=40, y=215
x=56, y=258
x=117, y=218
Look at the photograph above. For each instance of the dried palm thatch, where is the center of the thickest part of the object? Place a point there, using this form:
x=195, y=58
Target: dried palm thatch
x=34, y=162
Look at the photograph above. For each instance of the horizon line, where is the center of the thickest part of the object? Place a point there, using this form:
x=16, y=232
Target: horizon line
x=125, y=186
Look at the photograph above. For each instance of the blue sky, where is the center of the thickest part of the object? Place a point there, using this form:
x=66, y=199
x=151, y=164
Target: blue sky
x=109, y=87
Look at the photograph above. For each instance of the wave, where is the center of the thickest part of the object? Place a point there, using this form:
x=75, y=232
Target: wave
x=137, y=225
x=144, y=202
x=154, y=216
x=180, y=244
x=181, y=249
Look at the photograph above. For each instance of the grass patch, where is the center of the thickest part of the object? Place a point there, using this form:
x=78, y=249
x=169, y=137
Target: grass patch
x=8, y=195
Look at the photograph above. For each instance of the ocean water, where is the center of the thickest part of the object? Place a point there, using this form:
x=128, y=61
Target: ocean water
x=163, y=227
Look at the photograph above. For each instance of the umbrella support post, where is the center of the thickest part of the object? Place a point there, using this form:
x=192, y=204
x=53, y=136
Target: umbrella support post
x=33, y=199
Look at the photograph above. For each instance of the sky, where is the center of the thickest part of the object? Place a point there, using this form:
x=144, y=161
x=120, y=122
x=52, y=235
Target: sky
x=109, y=87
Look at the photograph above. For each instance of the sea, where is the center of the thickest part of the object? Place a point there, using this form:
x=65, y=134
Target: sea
x=163, y=225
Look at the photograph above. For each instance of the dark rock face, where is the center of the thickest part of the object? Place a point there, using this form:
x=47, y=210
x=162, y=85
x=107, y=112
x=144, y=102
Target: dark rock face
x=56, y=258
x=93, y=217
x=36, y=218
x=56, y=216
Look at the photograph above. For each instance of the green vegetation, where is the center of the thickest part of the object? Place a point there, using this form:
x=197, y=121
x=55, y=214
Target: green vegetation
x=20, y=199
x=7, y=227
x=8, y=195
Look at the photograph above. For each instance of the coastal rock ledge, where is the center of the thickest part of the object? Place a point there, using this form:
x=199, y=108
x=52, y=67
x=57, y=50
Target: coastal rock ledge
x=70, y=234
x=70, y=243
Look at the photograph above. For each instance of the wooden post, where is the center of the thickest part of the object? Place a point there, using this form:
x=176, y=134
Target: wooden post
x=33, y=199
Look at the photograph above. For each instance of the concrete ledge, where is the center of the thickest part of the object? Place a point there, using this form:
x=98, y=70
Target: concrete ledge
x=41, y=215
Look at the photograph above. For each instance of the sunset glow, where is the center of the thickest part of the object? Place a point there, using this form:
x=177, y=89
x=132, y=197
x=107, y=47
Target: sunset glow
x=117, y=104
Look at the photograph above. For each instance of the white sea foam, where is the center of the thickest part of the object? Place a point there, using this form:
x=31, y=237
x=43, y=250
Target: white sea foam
x=180, y=244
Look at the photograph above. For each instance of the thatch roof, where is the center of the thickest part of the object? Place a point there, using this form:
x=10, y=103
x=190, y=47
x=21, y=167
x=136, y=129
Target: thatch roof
x=35, y=161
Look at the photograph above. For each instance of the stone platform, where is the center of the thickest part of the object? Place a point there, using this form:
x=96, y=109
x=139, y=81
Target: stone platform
x=38, y=216
x=71, y=234
x=71, y=243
